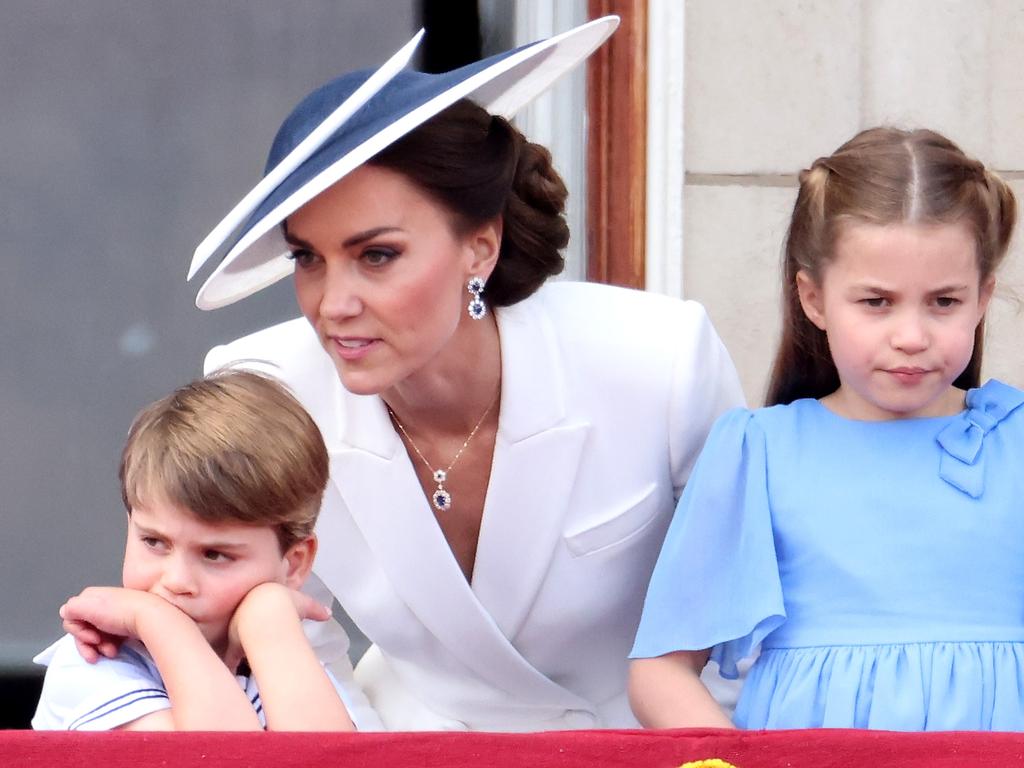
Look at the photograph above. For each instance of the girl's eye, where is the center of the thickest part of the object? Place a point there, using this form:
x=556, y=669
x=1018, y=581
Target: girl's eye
x=378, y=257
x=875, y=302
x=302, y=257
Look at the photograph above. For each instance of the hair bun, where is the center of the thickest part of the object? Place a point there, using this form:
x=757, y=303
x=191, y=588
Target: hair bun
x=535, y=229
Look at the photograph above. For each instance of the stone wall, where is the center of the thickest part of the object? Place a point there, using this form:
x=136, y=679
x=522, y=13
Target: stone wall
x=770, y=86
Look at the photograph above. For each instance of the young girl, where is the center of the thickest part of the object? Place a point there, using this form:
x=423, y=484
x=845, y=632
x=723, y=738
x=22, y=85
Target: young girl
x=865, y=529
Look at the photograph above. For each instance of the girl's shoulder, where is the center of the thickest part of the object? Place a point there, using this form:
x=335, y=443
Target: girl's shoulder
x=994, y=401
x=990, y=428
x=799, y=414
x=994, y=407
x=762, y=424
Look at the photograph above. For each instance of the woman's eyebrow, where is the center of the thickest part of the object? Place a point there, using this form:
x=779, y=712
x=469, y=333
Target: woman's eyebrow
x=356, y=239
x=293, y=240
x=369, y=234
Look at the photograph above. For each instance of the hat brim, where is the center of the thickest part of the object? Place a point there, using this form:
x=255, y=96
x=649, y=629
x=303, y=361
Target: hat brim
x=501, y=84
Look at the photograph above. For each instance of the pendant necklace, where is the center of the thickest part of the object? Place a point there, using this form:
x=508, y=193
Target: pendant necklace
x=441, y=498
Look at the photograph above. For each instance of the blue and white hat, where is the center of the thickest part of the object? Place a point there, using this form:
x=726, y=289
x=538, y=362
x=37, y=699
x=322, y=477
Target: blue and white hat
x=346, y=122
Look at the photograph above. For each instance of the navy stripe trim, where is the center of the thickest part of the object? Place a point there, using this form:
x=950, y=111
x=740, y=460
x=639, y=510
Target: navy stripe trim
x=139, y=695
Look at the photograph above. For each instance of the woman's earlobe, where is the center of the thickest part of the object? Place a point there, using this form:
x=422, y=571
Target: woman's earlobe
x=811, y=299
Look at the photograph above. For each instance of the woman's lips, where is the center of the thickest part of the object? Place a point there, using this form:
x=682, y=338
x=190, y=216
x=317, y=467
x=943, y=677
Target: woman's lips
x=350, y=348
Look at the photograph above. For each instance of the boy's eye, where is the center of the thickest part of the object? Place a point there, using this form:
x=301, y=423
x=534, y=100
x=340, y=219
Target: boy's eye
x=947, y=302
x=215, y=556
x=151, y=542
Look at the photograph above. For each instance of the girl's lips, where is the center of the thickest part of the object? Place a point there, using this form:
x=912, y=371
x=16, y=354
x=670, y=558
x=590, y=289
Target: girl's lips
x=352, y=348
x=908, y=375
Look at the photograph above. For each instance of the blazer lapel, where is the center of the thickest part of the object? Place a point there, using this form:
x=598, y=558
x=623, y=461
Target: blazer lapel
x=536, y=457
x=375, y=478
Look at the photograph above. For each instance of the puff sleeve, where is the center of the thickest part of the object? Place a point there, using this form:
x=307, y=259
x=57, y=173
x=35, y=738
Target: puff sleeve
x=79, y=696
x=716, y=583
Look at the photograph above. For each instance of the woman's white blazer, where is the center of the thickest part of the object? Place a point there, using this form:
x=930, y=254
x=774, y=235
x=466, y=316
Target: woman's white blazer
x=607, y=397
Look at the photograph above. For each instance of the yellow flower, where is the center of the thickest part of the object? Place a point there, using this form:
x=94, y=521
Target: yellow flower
x=713, y=762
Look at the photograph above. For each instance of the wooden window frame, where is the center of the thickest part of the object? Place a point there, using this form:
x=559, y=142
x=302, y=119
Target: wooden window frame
x=617, y=148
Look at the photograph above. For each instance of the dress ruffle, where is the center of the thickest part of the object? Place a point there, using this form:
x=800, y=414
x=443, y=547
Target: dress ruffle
x=905, y=686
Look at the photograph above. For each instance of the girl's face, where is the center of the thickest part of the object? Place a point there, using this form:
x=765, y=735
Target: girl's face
x=899, y=304
x=381, y=276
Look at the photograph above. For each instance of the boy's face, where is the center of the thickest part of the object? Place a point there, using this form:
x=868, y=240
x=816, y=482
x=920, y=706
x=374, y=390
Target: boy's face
x=203, y=569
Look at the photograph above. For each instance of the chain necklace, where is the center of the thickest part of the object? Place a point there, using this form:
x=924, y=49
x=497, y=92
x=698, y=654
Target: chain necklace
x=441, y=498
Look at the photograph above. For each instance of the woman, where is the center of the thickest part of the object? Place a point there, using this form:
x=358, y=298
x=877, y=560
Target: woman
x=505, y=454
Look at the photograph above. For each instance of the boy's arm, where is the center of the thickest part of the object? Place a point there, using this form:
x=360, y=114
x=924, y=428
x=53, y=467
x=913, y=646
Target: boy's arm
x=296, y=692
x=203, y=692
x=666, y=692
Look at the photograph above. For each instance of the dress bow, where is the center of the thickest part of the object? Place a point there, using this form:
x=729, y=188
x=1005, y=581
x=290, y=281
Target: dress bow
x=962, y=462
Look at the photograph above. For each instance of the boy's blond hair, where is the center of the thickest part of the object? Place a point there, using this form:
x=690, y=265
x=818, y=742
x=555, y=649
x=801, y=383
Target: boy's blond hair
x=235, y=446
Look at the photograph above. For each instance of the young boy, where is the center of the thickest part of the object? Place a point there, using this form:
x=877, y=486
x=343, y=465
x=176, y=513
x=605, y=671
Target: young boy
x=222, y=481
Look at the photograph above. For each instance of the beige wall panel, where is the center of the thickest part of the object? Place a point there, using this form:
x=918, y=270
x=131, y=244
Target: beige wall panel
x=769, y=85
x=734, y=240
x=928, y=63
x=1004, y=347
x=1007, y=86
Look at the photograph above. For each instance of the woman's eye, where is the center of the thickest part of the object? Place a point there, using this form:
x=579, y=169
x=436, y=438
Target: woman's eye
x=302, y=257
x=378, y=257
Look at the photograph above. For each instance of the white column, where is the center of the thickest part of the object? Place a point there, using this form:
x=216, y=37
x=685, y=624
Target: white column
x=665, y=165
x=558, y=118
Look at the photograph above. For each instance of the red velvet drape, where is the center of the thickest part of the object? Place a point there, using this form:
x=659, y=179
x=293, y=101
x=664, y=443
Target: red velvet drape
x=565, y=749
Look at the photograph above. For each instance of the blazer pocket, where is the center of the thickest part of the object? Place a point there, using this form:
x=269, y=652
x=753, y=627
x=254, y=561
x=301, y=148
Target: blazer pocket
x=640, y=513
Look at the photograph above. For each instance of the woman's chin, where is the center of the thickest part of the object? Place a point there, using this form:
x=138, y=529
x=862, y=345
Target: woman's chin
x=360, y=382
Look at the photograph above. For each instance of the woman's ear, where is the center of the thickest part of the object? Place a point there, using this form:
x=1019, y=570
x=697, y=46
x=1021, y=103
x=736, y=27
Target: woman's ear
x=484, y=245
x=299, y=562
x=811, y=299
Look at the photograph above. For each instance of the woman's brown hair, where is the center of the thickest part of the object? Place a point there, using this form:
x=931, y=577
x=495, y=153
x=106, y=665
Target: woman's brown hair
x=479, y=167
x=881, y=176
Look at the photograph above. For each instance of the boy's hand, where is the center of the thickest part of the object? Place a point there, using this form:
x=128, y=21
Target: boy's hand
x=296, y=690
x=90, y=642
x=265, y=603
x=101, y=618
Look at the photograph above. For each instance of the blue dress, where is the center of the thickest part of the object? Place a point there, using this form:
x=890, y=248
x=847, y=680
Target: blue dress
x=880, y=566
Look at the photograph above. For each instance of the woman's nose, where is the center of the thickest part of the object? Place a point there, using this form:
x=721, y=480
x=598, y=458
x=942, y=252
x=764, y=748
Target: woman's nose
x=340, y=297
